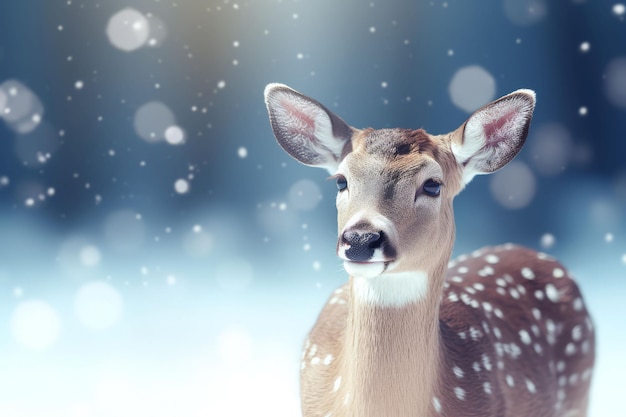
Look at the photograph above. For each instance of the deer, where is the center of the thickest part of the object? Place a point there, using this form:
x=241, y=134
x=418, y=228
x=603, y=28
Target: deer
x=500, y=332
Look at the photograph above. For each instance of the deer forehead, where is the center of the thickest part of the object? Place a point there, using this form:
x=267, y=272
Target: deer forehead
x=387, y=160
x=390, y=144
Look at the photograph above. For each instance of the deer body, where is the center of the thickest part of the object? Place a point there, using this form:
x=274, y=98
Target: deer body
x=499, y=333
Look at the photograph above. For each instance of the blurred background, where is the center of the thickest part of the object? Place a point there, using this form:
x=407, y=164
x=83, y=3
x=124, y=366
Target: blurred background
x=161, y=255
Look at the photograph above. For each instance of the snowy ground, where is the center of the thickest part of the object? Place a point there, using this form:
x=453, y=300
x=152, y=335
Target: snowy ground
x=180, y=350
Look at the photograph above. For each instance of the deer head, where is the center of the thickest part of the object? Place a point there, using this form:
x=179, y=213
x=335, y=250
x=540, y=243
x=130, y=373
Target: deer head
x=396, y=186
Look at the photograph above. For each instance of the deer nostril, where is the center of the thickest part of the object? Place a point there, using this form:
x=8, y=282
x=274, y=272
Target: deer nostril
x=362, y=244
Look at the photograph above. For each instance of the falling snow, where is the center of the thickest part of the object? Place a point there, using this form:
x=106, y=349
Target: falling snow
x=145, y=206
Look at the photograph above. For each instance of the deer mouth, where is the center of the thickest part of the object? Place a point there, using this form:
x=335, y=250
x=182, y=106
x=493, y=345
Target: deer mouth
x=369, y=269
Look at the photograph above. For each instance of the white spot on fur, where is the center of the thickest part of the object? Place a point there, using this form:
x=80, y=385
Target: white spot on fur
x=510, y=381
x=458, y=372
x=486, y=362
x=487, y=387
x=558, y=273
x=528, y=273
x=530, y=385
x=577, y=333
x=391, y=290
x=460, y=393
x=525, y=337
x=337, y=384
x=492, y=259
x=497, y=333
x=578, y=304
x=437, y=404
x=552, y=293
x=328, y=359
x=570, y=349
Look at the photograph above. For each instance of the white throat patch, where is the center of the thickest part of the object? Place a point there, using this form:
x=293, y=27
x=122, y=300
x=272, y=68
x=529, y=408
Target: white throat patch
x=391, y=289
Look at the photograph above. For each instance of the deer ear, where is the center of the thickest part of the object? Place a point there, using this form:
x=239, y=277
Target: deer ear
x=494, y=134
x=304, y=128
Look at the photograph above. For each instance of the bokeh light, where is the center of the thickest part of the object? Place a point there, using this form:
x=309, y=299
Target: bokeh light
x=98, y=305
x=525, y=12
x=35, y=324
x=304, y=195
x=513, y=186
x=181, y=186
x=152, y=120
x=128, y=30
x=551, y=149
x=615, y=82
x=174, y=135
x=22, y=109
x=124, y=230
x=472, y=87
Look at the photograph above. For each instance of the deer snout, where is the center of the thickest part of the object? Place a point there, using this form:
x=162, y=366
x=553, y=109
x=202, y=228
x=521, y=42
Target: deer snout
x=360, y=245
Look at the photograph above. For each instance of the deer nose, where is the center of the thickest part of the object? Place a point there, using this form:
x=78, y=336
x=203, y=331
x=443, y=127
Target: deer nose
x=362, y=244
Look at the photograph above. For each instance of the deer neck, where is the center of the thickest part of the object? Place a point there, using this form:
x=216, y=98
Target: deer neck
x=392, y=349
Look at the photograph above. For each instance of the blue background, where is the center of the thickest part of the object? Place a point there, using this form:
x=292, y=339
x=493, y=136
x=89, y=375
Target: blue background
x=120, y=296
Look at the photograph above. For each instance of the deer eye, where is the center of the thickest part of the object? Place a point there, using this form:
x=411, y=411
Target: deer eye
x=432, y=188
x=342, y=182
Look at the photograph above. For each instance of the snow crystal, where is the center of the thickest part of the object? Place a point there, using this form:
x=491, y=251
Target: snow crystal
x=585, y=47
x=582, y=111
x=128, y=30
x=221, y=84
x=619, y=9
x=98, y=305
x=4, y=181
x=79, y=85
x=608, y=238
x=513, y=186
x=35, y=325
x=472, y=87
x=242, y=152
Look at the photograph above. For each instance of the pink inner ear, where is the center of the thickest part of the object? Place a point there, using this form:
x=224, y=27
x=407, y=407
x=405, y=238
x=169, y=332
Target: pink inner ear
x=496, y=131
x=307, y=123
